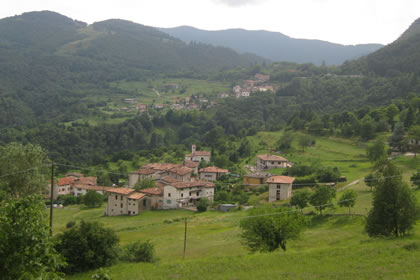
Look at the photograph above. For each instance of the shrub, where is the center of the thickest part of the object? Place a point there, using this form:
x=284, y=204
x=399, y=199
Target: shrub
x=139, y=252
x=70, y=224
x=93, y=199
x=203, y=204
x=88, y=246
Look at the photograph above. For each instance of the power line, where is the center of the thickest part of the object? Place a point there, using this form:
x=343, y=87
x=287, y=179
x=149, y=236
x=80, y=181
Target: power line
x=18, y=172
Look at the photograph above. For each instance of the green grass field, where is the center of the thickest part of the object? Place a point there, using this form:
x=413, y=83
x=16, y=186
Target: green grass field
x=331, y=247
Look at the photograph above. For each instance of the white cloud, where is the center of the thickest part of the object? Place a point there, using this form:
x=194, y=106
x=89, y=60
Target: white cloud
x=238, y=3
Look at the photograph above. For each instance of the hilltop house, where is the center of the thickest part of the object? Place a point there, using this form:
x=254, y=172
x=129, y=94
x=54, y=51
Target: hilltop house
x=268, y=161
x=182, y=194
x=198, y=156
x=256, y=178
x=279, y=188
x=212, y=173
x=124, y=201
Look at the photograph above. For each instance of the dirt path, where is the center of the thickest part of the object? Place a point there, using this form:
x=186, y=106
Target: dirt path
x=349, y=185
x=157, y=92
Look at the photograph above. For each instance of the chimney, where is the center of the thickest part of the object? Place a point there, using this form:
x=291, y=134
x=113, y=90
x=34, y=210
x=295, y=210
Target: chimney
x=193, y=148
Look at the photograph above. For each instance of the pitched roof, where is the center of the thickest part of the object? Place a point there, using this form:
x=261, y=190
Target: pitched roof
x=195, y=183
x=136, y=195
x=259, y=175
x=160, y=166
x=121, y=190
x=86, y=181
x=280, y=180
x=75, y=174
x=181, y=170
x=65, y=181
x=168, y=179
x=146, y=171
x=190, y=163
x=269, y=157
x=153, y=191
x=213, y=169
x=90, y=187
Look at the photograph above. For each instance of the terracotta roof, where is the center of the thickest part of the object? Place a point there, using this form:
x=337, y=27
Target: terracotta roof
x=153, y=191
x=181, y=170
x=259, y=175
x=168, y=179
x=160, y=166
x=86, y=181
x=121, y=190
x=146, y=171
x=269, y=157
x=191, y=164
x=190, y=184
x=280, y=180
x=65, y=181
x=199, y=153
x=213, y=169
x=136, y=195
x=90, y=187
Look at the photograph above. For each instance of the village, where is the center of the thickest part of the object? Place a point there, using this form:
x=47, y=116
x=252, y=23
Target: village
x=258, y=84
x=175, y=185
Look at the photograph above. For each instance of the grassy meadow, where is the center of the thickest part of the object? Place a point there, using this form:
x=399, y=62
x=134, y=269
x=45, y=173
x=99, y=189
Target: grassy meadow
x=334, y=246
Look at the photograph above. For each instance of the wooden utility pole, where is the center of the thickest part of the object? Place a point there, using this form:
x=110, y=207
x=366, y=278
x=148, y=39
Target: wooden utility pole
x=185, y=237
x=52, y=198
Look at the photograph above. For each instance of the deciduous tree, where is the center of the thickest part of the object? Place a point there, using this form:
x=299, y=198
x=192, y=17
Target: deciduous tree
x=322, y=196
x=348, y=199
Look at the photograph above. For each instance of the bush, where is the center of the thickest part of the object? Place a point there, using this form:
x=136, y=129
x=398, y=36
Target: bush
x=93, y=199
x=203, y=204
x=88, y=246
x=70, y=224
x=139, y=252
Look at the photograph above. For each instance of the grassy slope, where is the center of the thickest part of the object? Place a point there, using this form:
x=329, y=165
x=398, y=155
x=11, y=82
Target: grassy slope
x=331, y=247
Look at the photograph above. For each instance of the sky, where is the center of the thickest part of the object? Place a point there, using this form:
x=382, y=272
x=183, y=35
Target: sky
x=346, y=22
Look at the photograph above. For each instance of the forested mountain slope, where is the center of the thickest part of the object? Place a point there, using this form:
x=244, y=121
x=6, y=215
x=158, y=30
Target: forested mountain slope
x=275, y=45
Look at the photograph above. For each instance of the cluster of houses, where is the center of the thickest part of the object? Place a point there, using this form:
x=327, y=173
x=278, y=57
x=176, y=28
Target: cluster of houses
x=175, y=185
x=258, y=84
x=77, y=184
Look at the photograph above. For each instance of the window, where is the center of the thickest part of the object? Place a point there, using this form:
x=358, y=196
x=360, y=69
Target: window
x=129, y=203
x=144, y=202
x=190, y=193
x=169, y=201
x=272, y=162
x=129, y=212
x=116, y=196
x=202, y=158
x=278, y=187
x=208, y=176
x=121, y=205
x=182, y=195
x=169, y=194
x=79, y=189
x=121, y=197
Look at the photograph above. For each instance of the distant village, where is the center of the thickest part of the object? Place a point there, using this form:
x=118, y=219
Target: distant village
x=175, y=185
x=248, y=87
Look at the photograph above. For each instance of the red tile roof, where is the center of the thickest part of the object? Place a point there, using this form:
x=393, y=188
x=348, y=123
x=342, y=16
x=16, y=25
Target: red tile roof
x=160, y=166
x=191, y=164
x=136, y=195
x=86, y=181
x=190, y=184
x=168, y=179
x=280, y=180
x=146, y=171
x=90, y=187
x=213, y=169
x=153, y=191
x=121, y=190
x=65, y=181
x=181, y=170
x=268, y=157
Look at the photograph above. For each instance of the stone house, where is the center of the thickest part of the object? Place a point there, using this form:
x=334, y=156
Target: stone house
x=279, y=188
x=124, y=201
x=183, y=194
x=155, y=171
x=268, y=161
x=156, y=196
x=192, y=164
x=212, y=173
x=198, y=156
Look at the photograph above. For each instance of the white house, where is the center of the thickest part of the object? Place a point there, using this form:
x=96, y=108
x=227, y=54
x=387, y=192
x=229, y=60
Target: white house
x=198, y=156
x=279, y=188
x=124, y=201
x=212, y=173
x=78, y=189
x=268, y=161
x=182, y=194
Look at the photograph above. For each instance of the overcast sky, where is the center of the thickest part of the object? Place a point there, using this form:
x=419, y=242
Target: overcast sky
x=338, y=21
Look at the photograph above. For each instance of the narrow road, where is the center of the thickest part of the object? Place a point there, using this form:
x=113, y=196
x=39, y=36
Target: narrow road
x=349, y=185
x=157, y=92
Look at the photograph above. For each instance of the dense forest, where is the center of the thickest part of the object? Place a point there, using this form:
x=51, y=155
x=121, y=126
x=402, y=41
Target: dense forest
x=54, y=62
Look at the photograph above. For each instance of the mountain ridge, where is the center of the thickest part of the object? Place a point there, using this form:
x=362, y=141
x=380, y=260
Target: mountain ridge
x=280, y=47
